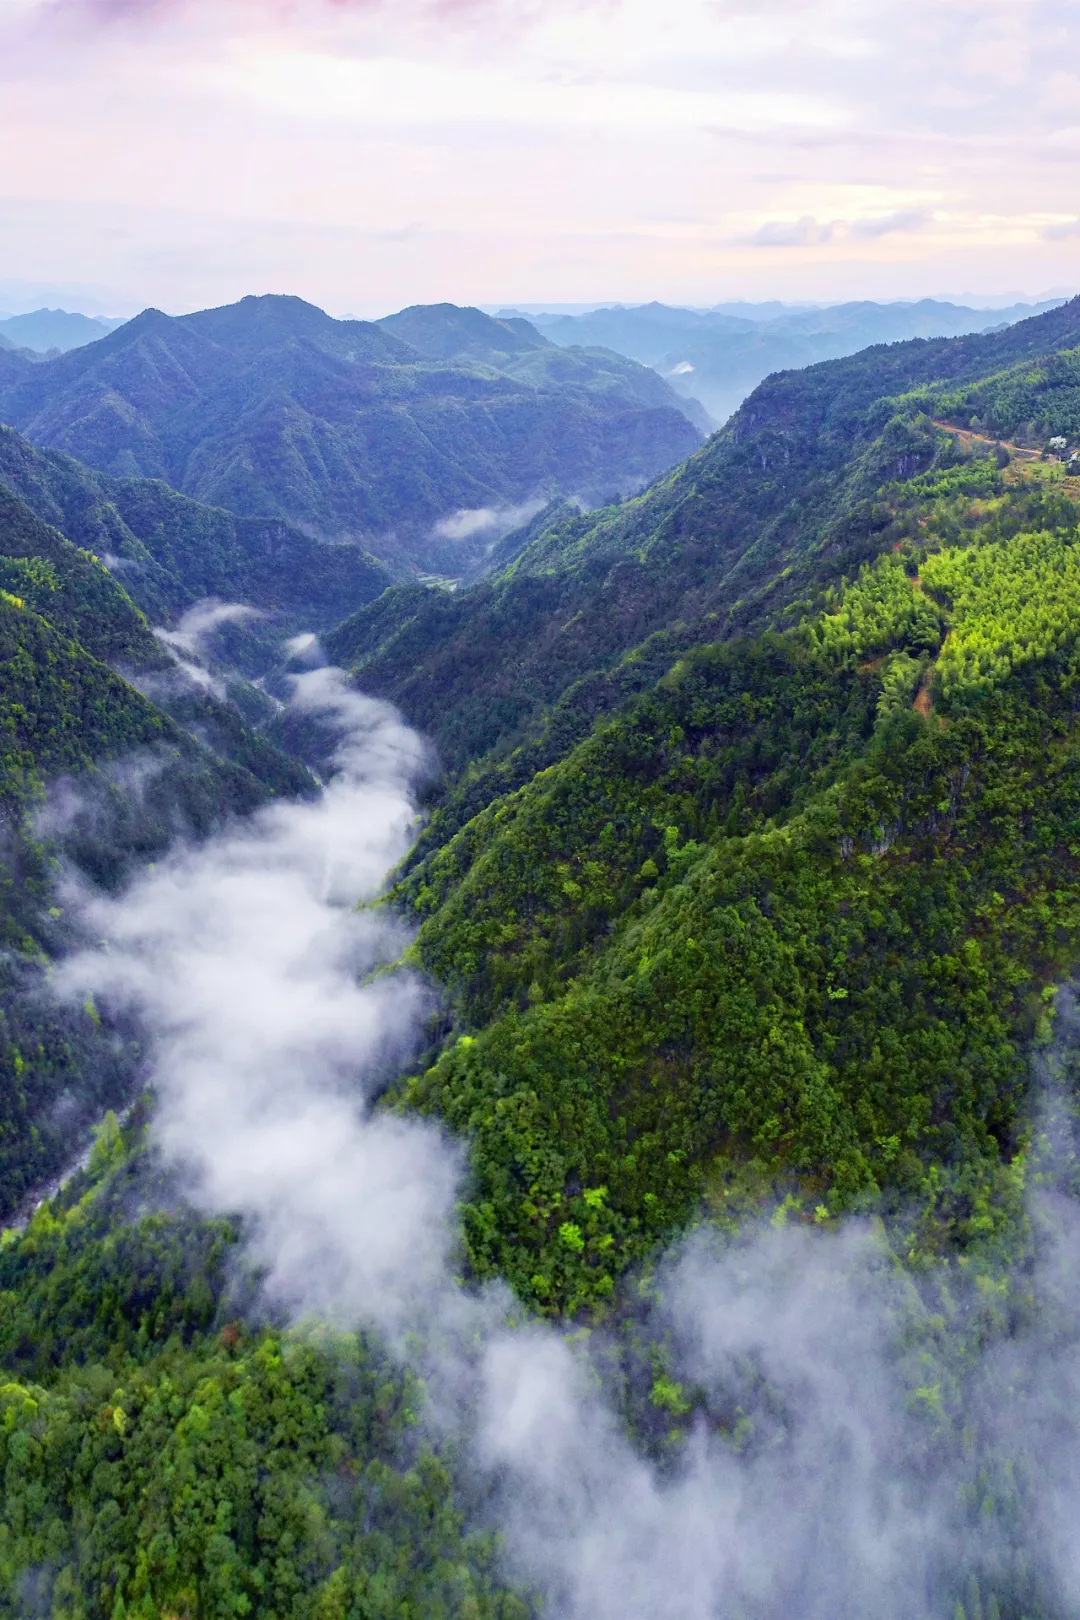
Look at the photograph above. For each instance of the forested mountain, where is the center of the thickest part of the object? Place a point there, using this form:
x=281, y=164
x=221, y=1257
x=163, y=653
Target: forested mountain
x=718, y=356
x=171, y=551
x=270, y=408
x=749, y=885
x=445, y=332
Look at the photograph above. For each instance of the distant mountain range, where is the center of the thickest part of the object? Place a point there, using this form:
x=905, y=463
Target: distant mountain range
x=53, y=329
x=719, y=356
x=355, y=430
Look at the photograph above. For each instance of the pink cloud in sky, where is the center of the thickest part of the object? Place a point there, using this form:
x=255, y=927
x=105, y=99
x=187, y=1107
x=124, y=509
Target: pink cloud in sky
x=285, y=12
x=369, y=153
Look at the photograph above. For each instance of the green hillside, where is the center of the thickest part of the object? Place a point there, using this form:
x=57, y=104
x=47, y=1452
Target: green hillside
x=171, y=551
x=817, y=882
x=72, y=588
x=757, y=842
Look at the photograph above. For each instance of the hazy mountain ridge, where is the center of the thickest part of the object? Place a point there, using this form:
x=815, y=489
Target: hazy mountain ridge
x=720, y=357
x=46, y=330
x=271, y=408
x=446, y=332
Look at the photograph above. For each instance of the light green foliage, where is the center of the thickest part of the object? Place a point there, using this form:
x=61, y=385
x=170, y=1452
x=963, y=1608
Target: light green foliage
x=899, y=677
x=1011, y=604
x=1029, y=403
x=880, y=609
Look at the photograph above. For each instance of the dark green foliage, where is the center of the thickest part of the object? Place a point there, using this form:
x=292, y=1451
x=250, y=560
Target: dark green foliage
x=61, y=712
x=118, y=1237
x=59, y=1071
x=135, y=780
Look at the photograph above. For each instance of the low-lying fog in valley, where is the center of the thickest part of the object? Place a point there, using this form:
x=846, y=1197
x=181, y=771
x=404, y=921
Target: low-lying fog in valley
x=837, y=1454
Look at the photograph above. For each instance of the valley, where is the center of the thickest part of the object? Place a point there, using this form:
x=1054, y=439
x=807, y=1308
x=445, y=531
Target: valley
x=584, y=1068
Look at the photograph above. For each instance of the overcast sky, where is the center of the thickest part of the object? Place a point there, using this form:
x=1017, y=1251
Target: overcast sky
x=368, y=155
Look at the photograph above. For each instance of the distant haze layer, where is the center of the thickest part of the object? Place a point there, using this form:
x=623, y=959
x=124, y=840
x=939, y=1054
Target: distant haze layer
x=718, y=356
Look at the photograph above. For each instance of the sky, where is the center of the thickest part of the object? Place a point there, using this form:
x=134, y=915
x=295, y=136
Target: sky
x=369, y=154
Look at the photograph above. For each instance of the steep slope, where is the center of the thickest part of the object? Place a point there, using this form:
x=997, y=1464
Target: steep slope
x=801, y=906
x=755, y=860
x=171, y=551
x=272, y=409
x=72, y=588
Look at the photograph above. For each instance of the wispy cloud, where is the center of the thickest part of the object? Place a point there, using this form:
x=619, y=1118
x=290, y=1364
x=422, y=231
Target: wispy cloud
x=802, y=232
x=810, y=232
x=491, y=522
x=906, y=220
